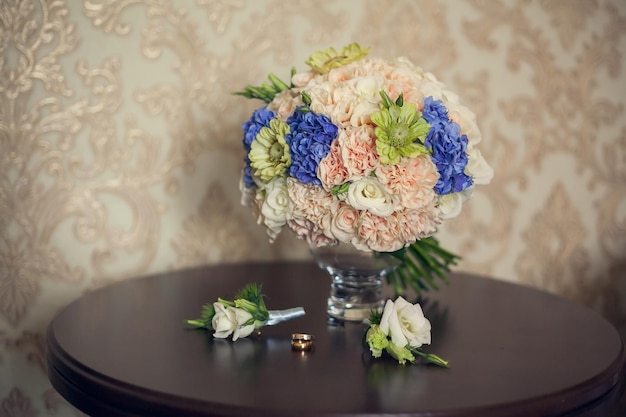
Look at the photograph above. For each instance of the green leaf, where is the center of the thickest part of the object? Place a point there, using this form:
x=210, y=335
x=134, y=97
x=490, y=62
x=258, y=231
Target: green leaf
x=206, y=317
x=252, y=294
x=400, y=100
x=386, y=100
x=267, y=91
x=340, y=189
x=375, y=317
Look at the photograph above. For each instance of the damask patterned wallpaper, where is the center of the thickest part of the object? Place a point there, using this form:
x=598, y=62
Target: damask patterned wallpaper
x=120, y=146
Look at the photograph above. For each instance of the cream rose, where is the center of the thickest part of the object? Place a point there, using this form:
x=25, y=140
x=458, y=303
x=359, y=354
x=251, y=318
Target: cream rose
x=275, y=206
x=405, y=323
x=223, y=322
x=242, y=329
x=247, y=193
x=369, y=194
x=231, y=320
x=344, y=220
x=450, y=205
x=477, y=168
x=466, y=120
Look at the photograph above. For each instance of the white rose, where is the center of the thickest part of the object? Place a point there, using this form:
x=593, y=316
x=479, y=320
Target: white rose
x=242, y=329
x=405, y=323
x=275, y=205
x=367, y=89
x=432, y=87
x=361, y=113
x=369, y=194
x=224, y=322
x=450, y=205
x=477, y=168
x=247, y=193
x=466, y=120
x=404, y=62
x=230, y=320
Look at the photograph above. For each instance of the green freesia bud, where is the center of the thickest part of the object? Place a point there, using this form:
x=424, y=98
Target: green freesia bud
x=401, y=354
x=225, y=303
x=377, y=340
x=432, y=358
x=249, y=306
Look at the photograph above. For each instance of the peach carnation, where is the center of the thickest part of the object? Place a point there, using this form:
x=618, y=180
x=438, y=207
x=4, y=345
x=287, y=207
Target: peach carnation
x=412, y=180
x=418, y=224
x=380, y=234
x=309, y=213
x=358, y=151
x=331, y=170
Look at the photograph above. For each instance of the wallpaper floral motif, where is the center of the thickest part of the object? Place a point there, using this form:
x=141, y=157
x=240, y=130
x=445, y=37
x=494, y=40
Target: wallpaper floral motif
x=120, y=148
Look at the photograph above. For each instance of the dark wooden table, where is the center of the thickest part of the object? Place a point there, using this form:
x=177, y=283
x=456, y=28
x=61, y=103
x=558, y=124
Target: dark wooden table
x=125, y=350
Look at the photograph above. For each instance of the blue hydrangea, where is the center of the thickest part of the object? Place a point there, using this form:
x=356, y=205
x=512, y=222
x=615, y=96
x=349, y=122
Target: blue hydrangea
x=260, y=118
x=309, y=142
x=247, y=173
x=448, y=148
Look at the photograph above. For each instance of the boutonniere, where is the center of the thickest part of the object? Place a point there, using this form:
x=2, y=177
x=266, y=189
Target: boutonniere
x=242, y=315
x=401, y=330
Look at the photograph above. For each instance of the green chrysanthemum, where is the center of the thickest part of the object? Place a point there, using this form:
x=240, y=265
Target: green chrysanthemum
x=324, y=61
x=269, y=153
x=400, y=131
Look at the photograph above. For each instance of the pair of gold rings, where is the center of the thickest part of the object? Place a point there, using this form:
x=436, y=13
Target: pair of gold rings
x=302, y=342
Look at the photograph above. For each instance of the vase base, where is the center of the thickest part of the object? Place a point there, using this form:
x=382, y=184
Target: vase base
x=340, y=310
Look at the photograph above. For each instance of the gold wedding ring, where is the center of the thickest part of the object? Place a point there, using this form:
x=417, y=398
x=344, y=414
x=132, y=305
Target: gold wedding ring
x=302, y=341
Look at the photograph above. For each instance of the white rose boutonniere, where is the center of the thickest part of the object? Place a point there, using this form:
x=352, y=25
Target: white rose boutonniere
x=401, y=330
x=231, y=320
x=242, y=316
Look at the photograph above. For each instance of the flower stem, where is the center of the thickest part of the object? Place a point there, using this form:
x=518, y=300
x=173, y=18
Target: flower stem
x=432, y=358
x=423, y=263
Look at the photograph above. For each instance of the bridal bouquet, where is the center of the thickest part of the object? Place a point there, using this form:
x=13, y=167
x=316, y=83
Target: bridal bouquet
x=365, y=151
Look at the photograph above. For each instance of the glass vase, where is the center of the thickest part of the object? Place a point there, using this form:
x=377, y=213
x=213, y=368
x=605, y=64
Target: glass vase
x=356, y=279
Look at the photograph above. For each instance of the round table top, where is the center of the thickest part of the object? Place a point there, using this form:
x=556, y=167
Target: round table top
x=125, y=350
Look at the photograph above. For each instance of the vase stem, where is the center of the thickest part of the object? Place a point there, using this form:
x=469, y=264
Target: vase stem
x=353, y=297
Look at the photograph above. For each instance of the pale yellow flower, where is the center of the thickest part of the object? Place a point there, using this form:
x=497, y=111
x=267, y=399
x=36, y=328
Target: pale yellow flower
x=324, y=61
x=269, y=153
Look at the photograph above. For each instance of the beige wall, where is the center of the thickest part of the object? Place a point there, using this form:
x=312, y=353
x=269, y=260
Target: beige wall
x=120, y=143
